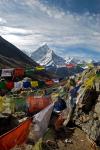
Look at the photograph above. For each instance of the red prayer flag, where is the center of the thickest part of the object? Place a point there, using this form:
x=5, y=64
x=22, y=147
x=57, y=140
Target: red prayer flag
x=16, y=136
x=37, y=104
x=49, y=82
x=10, y=85
x=19, y=72
x=70, y=66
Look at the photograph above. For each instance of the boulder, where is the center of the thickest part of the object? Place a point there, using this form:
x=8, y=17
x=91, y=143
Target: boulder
x=89, y=121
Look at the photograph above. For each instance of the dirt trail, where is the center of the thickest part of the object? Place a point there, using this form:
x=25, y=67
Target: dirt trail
x=80, y=141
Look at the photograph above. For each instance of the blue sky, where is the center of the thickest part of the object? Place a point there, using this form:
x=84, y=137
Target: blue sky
x=70, y=27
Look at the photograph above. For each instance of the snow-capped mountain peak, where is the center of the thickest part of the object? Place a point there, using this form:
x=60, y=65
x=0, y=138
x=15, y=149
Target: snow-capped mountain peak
x=74, y=60
x=78, y=60
x=47, y=57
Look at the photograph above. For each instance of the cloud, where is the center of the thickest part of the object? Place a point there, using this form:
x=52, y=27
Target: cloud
x=16, y=31
x=37, y=23
x=2, y=21
x=75, y=6
x=52, y=12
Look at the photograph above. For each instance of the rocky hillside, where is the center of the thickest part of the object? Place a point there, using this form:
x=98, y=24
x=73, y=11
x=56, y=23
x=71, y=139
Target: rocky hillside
x=11, y=56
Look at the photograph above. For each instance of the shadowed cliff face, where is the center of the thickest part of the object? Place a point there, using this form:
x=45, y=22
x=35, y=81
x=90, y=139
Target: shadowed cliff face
x=11, y=56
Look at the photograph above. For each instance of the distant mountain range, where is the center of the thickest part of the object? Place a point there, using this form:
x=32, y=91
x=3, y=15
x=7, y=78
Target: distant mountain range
x=11, y=56
x=78, y=60
x=47, y=57
x=54, y=63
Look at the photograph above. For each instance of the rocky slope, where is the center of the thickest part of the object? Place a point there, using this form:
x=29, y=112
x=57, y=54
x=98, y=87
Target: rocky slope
x=11, y=56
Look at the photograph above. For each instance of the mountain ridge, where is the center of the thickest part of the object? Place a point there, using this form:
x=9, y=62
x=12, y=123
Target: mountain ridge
x=47, y=57
x=11, y=56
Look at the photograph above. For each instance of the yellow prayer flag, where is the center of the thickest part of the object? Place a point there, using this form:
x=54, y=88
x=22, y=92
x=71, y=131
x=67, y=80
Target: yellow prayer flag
x=39, y=68
x=89, y=82
x=1, y=104
x=90, y=65
x=34, y=83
